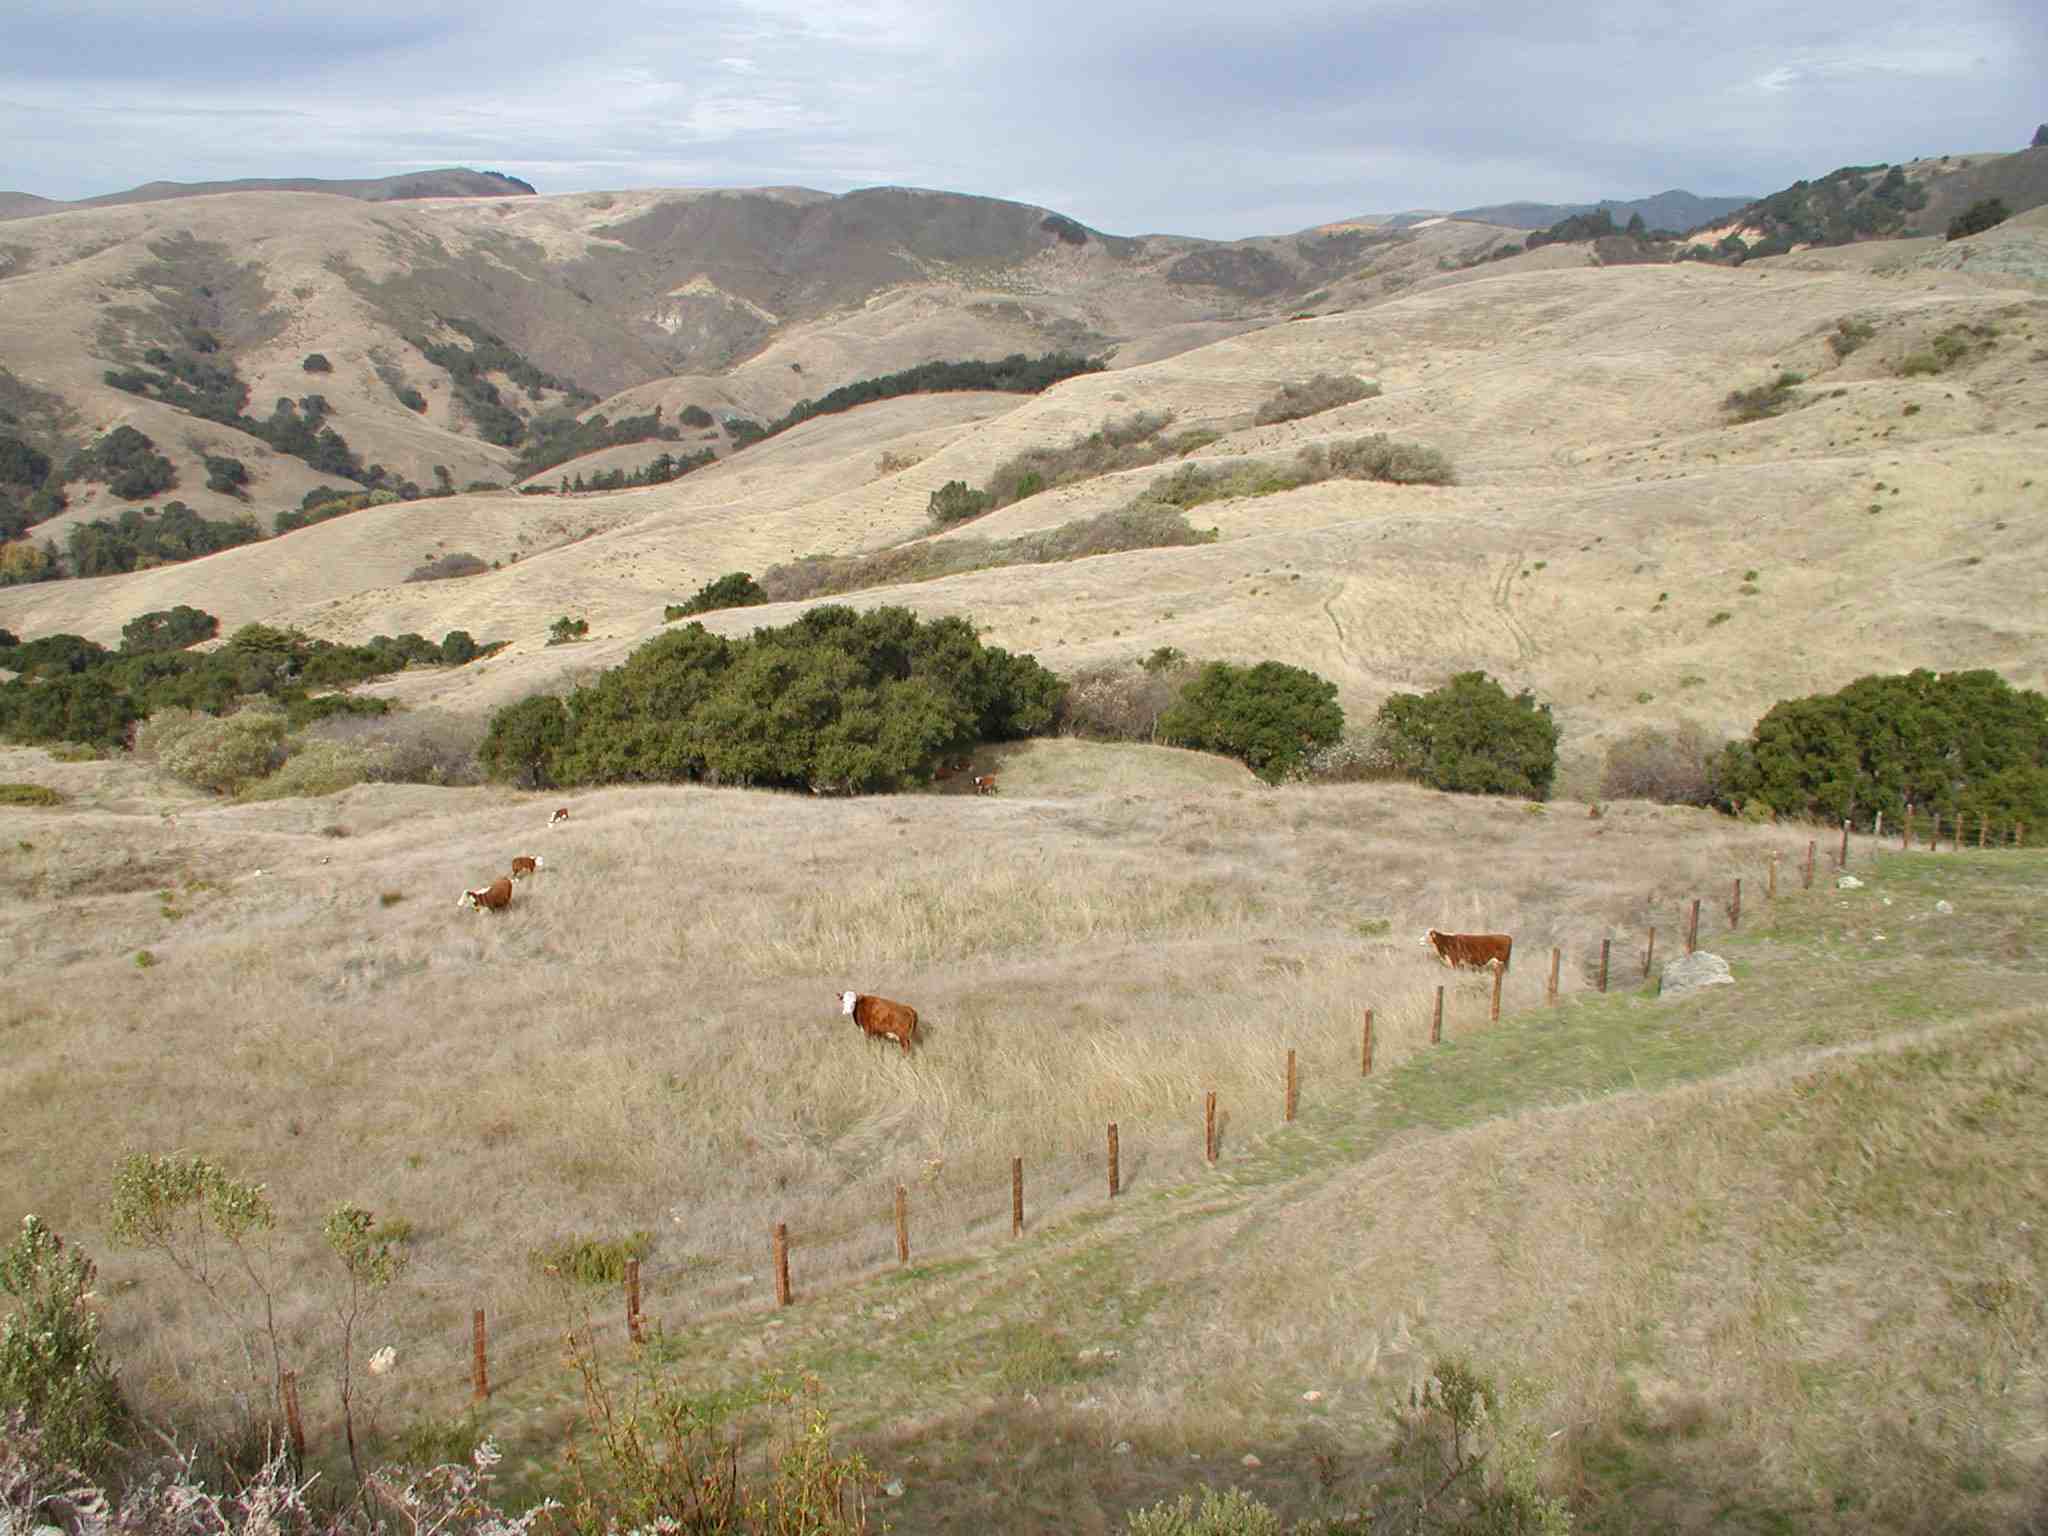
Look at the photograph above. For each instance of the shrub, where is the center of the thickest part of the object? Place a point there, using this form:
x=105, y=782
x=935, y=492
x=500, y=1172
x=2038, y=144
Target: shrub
x=411, y=398
x=1235, y=1513
x=1269, y=715
x=1986, y=213
x=1324, y=392
x=167, y=629
x=566, y=629
x=127, y=462
x=1850, y=334
x=1356, y=759
x=523, y=741
x=735, y=589
x=226, y=754
x=313, y=769
x=695, y=416
x=1764, y=400
x=1470, y=737
x=51, y=1370
x=225, y=474
x=316, y=362
x=1118, y=701
x=592, y=1260
x=1675, y=768
x=450, y=568
x=955, y=502
x=35, y=795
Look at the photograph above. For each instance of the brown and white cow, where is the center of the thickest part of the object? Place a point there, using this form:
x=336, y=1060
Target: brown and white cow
x=496, y=896
x=880, y=1018
x=561, y=814
x=526, y=864
x=1474, y=951
x=984, y=784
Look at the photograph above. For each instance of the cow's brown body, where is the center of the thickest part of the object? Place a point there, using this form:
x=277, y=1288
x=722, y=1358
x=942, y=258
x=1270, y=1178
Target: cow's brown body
x=985, y=784
x=882, y=1019
x=524, y=865
x=494, y=897
x=562, y=814
x=1471, y=951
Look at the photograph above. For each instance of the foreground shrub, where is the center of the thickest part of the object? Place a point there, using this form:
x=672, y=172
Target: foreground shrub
x=51, y=1372
x=314, y=768
x=427, y=746
x=1268, y=716
x=224, y=755
x=1324, y=392
x=1235, y=1513
x=1957, y=743
x=593, y=1260
x=1677, y=768
x=1471, y=738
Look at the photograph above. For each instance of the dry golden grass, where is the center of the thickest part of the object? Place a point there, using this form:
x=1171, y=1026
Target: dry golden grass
x=649, y=1036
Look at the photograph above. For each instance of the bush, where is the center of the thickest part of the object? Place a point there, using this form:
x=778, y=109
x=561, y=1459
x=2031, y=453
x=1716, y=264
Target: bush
x=1470, y=737
x=592, y=1260
x=50, y=1366
x=566, y=629
x=1269, y=716
x=225, y=474
x=1235, y=1513
x=417, y=747
x=449, y=568
x=316, y=362
x=167, y=629
x=1958, y=743
x=1673, y=769
x=314, y=768
x=127, y=462
x=38, y=796
x=226, y=754
x=1850, y=334
x=524, y=740
x=1119, y=701
x=1324, y=392
x=1764, y=400
x=1357, y=759
x=695, y=416
x=735, y=589
x=1986, y=213
x=955, y=502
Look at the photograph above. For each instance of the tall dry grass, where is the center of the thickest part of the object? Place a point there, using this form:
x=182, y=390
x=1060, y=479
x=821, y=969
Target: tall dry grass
x=649, y=1037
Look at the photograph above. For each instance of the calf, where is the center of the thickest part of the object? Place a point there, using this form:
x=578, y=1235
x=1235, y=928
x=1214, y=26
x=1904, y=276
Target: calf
x=984, y=783
x=880, y=1018
x=526, y=864
x=560, y=815
x=496, y=896
x=1474, y=951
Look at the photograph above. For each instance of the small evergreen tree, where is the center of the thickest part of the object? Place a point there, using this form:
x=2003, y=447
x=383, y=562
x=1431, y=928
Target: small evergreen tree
x=1269, y=716
x=1470, y=737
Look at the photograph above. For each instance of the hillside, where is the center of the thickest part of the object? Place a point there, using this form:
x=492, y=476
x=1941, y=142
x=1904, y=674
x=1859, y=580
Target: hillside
x=451, y=181
x=1674, y=210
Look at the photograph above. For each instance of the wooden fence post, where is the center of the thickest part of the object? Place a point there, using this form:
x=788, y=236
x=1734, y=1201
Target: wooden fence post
x=1735, y=902
x=1016, y=1197
x=2019, y=834
x=1209, y=1127
x=1983, y=829
x=903, y=1224
x=479, y=1366
x=1906, y=831
x=1649, y=952
x=1550, y=986
x=1771, y=885
x=1842, y=858
x=1365, y=1048
x=1115, y=1180
x=1436, y=1020
x=1692, y=927
x=1493, y=1008
x=633, y=1300
x=1807, y=882
x=1955, y=834
x=1934, y=833
x=1605, y=945
x=294, y=1425
x=781, y=1264
x=1290, y=1086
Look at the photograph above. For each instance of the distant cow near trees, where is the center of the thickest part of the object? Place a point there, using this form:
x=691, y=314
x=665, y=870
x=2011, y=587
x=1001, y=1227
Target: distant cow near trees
x=1470, y=951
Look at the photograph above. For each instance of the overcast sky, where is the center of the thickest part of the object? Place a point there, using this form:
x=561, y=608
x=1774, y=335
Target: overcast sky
x=1194, y=117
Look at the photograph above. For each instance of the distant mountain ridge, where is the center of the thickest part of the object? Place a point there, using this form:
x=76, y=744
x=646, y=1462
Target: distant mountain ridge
x=1674, y=210
x=450, y=181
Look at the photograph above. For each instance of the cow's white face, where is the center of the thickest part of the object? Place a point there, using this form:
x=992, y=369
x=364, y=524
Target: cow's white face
x=540, y=862
x=1428, y=940
x=467, y=899
x=846, y=1002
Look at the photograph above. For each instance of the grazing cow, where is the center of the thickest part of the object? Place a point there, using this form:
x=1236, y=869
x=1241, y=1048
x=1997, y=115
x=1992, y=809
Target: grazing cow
x=1475, y=951
x=984, y=783
x=496, y=896
x=526, y=864
x=880, y=1018
x=560, y=815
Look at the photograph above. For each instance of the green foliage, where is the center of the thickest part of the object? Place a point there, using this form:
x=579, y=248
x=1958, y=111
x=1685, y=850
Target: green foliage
x=371, y=1262
x=80, y=707
x=1015, y=374
x=316, y=362
x=167, y=629
x=1957, y=743
x=210, y=389
x=224, y=474
x=1235, y=1513
x=1764, y=400
x=458, y=648
x=39, y=796
x=956, y=502
x=50, y=1363
x=695, y=417
x=138, y=539
x=566, y=629
x=127, y=462
x=1471, y=738
x=1985, y=213
x=735, y=589
x=1324, y=392
x=553, y=440
x=1268, y=716
x=224, y=755
x=468, y=369
x=22, y=563
x=1597, y=225
x=839, y=700
x=659, y=470
x=1850, y=334
x=592, y=1260
x=1128, y=442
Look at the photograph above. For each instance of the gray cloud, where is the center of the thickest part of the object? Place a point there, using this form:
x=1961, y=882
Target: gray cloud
x=1197, y=117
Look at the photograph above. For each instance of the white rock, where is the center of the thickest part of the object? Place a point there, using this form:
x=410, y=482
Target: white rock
x=893, y=1487
x=1848, y=883
x=1121, y=1448
x=1311, y=1397
x=1690, y=972
x=1944, y=907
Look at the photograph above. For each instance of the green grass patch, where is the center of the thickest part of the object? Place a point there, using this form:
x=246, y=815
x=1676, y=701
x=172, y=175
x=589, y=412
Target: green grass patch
x=35, y=796
x=593, y=1260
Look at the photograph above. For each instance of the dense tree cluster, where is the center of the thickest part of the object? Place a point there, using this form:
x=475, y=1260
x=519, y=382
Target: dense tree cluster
x=469, y=368
x=659, y=470
x=1986, y=213
x=838, y=700
x=127, y=462
x=735, y=589
x=1470, y=736
x=1015, y=374
x=1957, y=743
x=140, y=538
x=73, y=689
x=212, y=390
x=556, y=439
x=1269, y=716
